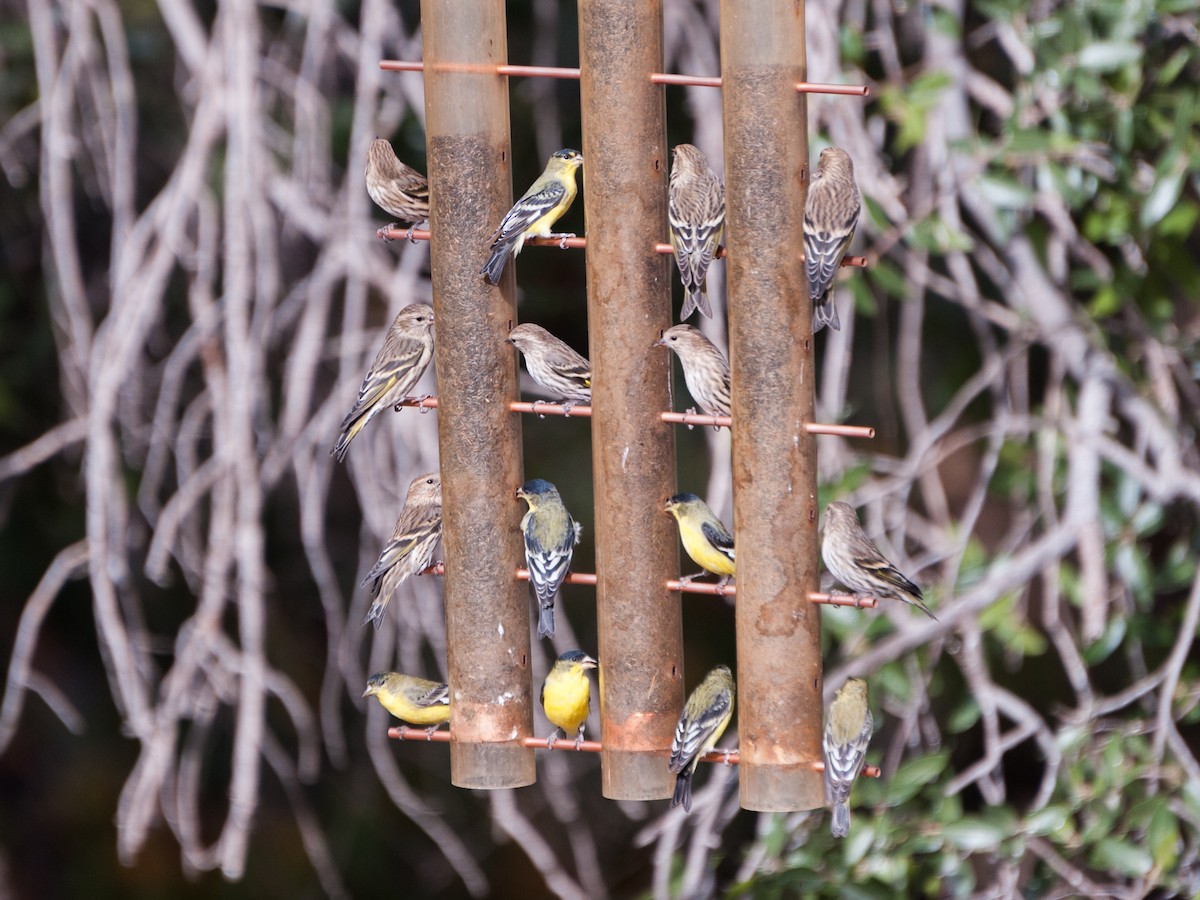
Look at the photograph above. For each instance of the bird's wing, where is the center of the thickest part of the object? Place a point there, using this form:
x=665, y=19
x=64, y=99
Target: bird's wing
x=719, y=538
x=529, y=209
x=401, y=372
x=693, y=733
x=438, y=695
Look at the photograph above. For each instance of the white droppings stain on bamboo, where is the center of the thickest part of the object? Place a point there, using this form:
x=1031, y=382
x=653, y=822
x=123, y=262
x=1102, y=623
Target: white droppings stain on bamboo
x=624, y=459
x=500, y=629
x=504, y=698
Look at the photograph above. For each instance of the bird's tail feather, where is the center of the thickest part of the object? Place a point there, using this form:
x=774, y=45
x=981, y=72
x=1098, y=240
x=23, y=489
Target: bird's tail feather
x=683, y=791
x=841, y=820
x=494, y=267
x=546, y=620
x=825, y=313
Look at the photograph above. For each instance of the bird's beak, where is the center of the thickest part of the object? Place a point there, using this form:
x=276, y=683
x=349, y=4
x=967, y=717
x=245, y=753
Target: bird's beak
x=588, y=663
x=667, y=507
x=661, y=342
x=368, y=692
x=508, y=340
x=518, y=494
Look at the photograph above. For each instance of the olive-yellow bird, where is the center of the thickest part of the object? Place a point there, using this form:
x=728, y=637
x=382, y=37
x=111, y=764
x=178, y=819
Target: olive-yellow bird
x=536, y=212
x=417, y=701
x=705, y=538
x=705, y=717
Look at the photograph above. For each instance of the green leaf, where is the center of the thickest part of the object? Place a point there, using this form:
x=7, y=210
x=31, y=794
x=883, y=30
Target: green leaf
x=1106, y=56
x=1163, y=838
x=972, y=833
x=1050, y=820
x=1122, y=857
x=914, y=775
x=1162, y=198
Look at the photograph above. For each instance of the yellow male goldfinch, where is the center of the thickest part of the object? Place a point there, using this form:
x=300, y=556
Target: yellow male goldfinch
x=398, y=366
x=696, y=214
x=830, y=217
x=537, y=210
x=706, y=540
x=705, y=717
x=417, y=701
x=566, y=696
x=848, y=729
x=854, y=560
x=410, y=548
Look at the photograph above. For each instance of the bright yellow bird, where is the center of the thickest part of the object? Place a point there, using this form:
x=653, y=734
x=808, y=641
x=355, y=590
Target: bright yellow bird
x=705, y=539
x=417, y=701
x=567, y=696
x=537, y=210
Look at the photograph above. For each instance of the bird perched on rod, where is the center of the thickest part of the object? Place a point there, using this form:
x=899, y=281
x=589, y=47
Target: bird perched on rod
x=398, y=366
x=550, y=538
x=856, y=562
x=553, y=364
x=706, y=540
x=830, y=217
x=848, y=728
x=537, y=210
x=417, y=701
x=410, y=548
x=398, y=189
x=705, y=370
x=705, y=717
x=566, y=696
x=696, y=214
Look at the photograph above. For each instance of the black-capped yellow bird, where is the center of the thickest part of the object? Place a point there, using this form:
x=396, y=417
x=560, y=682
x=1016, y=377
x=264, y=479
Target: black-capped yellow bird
x=536, y=212
x=417, y=701
x=705, y=717
x=705, y=539
x=848, y=730
x=567, y=695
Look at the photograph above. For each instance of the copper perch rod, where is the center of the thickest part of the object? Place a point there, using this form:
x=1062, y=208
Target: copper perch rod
x=442, y=736
x=547, y=408
x=855, y=431
x=692, y=587
x=580, y=243
x=730, y=590
x=803, y=87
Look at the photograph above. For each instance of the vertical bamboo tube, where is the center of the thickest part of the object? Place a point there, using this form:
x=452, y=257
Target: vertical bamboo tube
x=487, y=609
x=633, y=453
x=771, y=355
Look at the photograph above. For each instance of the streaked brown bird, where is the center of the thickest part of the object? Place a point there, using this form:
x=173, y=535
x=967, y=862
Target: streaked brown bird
x=398, y=366
x=410, y=548
x=856, y=562
x=705, y=370
x=696, y=214
x=398, y=189
x=830, y=217
x=553, y=364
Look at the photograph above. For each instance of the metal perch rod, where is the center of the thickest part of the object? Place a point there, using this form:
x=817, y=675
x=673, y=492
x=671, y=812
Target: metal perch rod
x=419, y=735
x=803, y=87
x=583, y=412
